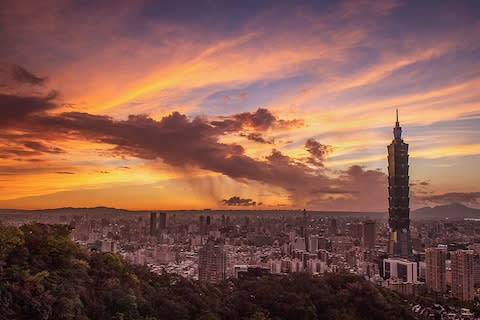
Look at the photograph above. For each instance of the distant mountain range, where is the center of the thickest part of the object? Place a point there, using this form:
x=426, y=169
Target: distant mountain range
x=70, y=211
x=450, y=211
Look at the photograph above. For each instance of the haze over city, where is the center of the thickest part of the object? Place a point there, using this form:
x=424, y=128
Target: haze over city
x=192, y=105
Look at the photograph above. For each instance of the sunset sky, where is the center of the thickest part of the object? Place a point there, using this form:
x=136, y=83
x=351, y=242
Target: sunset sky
x=236, y=104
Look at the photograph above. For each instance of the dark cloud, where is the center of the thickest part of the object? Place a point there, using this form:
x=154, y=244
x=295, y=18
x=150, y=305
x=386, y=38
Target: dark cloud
x=331, y=191
x=237, y=201
x=184, y=143
x=260, y=120
x=15, y=107
x=23, y=150
x=64, y=172
x=39, y=146
x=22, y=75
x=13, y=152
x=471, y=198
x=257, y=137
x=317, y=151
x=424, y=183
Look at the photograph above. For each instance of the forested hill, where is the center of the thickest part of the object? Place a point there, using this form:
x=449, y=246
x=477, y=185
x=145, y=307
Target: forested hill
x=44, y=275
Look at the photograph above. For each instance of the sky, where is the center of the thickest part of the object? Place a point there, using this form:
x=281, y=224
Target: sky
x=236, y=104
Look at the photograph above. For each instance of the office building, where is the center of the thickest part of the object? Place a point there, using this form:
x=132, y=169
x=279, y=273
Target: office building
x=212, y=263
x=400, y=243
x=476, y=270
x=162, y=221
x=153, y=223
x=313, y=243
x=402, y=269
x=202, y=224
x=435, y=270
x=355, y=230
x=462, y=274
x=368, y=234
x=332, y=228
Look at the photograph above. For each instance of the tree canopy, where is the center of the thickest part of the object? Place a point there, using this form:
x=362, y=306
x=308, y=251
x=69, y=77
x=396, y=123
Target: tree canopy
x=44, y=275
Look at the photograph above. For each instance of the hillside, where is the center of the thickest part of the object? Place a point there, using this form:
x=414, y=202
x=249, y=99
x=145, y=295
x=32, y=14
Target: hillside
x=237, y=211
x=68, y=211
x=450, y=211
x=46, y=276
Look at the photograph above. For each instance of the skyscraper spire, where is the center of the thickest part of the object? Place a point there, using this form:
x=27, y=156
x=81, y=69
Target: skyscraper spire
x=397, y=131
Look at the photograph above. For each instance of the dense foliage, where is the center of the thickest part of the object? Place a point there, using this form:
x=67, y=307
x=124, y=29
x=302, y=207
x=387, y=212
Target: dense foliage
x=44, y=275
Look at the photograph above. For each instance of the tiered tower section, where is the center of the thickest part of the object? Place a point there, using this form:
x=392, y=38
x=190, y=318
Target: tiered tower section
x=400, y=243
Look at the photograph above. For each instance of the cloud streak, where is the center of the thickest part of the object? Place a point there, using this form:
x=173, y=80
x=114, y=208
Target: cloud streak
x=22, y=75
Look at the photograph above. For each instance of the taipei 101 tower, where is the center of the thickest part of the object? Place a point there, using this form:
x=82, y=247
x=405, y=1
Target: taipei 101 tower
x=400, y=243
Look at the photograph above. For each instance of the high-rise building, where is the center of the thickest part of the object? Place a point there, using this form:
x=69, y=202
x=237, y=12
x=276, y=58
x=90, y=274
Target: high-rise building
x=303, y=227
x=476, y=269
x=212, y=263
x=400, y=243
x=462, y=274
x=355, y=230
x=312, y=243
x=208, y=225
x=332, y=227
x=368, y=234
x=162, y=221
x=299, y=244
x=202, y=224
x=153, y=223
x=435, y=269
x=401, y=269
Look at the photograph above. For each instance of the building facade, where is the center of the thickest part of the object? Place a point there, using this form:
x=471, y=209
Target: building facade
x=162, y=222
x=435, y=270
x=153, y=223
x=462, y=274
x=400, y=243
x=368, y=234
x=401, y=269
x=476, y=270
x=212, y=263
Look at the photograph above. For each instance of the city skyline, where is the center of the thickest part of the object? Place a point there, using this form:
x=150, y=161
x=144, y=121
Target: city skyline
x=259, y=106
